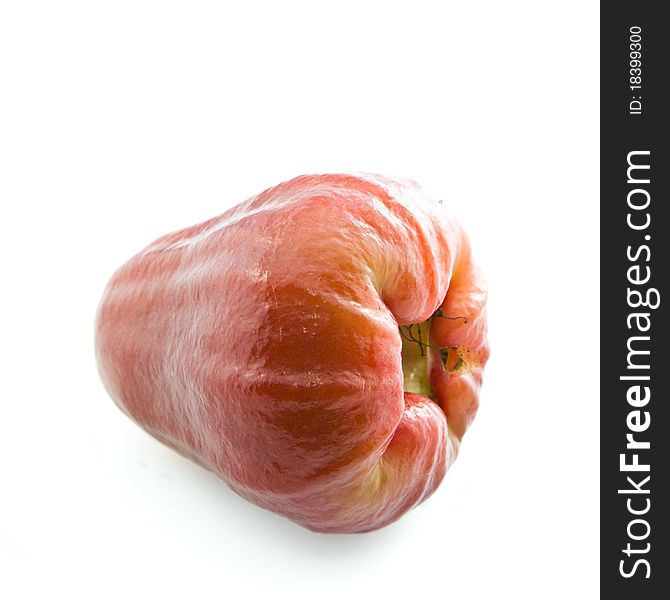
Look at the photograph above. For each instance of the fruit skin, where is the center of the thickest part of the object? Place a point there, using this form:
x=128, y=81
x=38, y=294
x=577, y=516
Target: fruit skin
x=264, y=345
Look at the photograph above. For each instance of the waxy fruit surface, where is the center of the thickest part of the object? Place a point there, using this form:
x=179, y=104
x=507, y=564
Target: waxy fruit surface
x=320, y=347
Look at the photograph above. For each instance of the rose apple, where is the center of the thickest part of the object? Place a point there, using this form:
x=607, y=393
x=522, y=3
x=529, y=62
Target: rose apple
x=319, y=346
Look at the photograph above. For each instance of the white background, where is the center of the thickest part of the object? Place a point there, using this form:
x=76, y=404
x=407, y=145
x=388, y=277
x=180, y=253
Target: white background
x=121, y=121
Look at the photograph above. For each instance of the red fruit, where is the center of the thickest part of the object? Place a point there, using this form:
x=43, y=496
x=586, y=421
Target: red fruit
x=265, y=345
